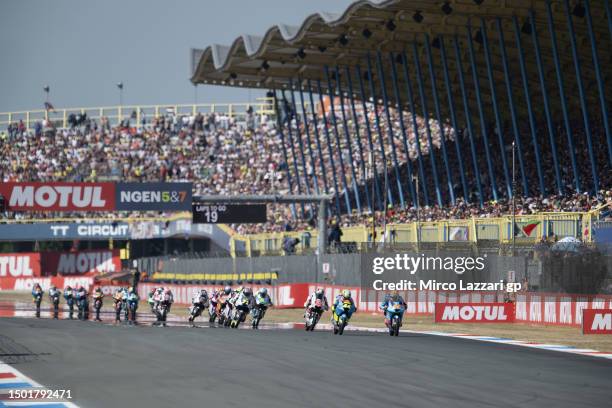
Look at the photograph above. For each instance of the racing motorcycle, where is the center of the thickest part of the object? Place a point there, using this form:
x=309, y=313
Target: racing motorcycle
x=132, y=306
x=341, y=317
x=240, y=312
x=212, y=311
x=222, y=316
x=396, y=311
x=162, y=312
x=37, y=300
x=258, y=313
x=55, y=299
x=194, y=311
x=69, y=296
x=314, y=314
x=118, y=307
x=97, y=306
x=83, y=306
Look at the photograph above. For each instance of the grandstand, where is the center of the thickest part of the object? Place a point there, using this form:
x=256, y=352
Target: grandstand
x=438, y=121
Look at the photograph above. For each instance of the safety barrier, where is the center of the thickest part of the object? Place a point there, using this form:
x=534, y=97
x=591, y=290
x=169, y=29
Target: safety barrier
x=136, y=113
x=532, y=307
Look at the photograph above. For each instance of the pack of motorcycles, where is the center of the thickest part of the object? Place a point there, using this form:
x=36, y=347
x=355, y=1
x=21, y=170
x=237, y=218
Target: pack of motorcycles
x=226, y=314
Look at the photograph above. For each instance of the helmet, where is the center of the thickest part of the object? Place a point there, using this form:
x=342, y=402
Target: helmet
x=98, y=289
x=80, y=287
x=346, y=293
x=262, y=291
x=131, y=289
x=167, y=291
x=227, y=290
x=203, y=292
x=319, y=293
x=247, y=291
x=395, y=296
x=68, y=287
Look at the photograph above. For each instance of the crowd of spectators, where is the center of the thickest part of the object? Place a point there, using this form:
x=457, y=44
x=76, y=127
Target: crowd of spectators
x=231, y=156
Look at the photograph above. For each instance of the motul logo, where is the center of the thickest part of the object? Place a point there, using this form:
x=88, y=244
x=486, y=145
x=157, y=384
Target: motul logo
x=597, y=321
x=602, y=321
x=486, y=312
x=60, y=196
x=85, y=262
x=14, y=265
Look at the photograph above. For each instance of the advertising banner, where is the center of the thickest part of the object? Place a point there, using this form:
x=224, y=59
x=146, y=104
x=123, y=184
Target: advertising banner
x=474, y=313
x=19, y=265
x=58, y=196
x=104, y=230
x=153, y=196
x=64, y=196
x=60, y=282
x=81, y=262
x=597, y=321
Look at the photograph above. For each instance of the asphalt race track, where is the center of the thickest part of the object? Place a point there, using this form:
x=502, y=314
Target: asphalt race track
x=145, y=366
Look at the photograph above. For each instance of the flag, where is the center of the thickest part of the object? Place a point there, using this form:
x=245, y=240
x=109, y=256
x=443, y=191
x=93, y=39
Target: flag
x=526, y=229
x=49, y=107
x=458, y=234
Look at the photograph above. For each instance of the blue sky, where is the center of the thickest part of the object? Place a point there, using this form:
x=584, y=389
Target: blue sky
x=82, y=48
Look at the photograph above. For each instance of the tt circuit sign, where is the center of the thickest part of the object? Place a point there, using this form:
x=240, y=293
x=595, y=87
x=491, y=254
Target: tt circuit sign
x=96, y=196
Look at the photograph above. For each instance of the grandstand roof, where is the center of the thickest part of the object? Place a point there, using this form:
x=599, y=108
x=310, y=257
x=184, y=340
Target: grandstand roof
x=300, y=52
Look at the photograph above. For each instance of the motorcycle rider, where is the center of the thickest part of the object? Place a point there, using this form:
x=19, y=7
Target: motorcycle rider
x=199, y=302
x=223, y=306
x=69, y=296
x=344, y=297
x=125, y=293
x=164, y=300
x=213, y=301
x=151, y=300
x=37, y=295
x=260, y=301
x=97, y=302
x=118, y=304
x=54, y=295
x=318, y=294
x=132, y=304
x=82, y=303
x=241, y=302
x=388, y=303
x=231, y=297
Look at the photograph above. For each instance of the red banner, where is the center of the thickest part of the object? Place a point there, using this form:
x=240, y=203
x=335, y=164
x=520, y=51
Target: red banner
x=597, y=321
x=474, y=313
x=32, y=196
x=81, y=262
x=19, y=265
x=26, y=284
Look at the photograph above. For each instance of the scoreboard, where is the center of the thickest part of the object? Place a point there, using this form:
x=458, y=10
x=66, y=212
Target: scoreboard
x=229, y=213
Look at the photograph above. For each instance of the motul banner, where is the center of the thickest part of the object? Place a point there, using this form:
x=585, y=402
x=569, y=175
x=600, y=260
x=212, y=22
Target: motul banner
x=81, y=262
x=27, y=284
x=19, y=265
x=474, y=313
x=59, y=196
x=597, y=321
x=63, y=196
